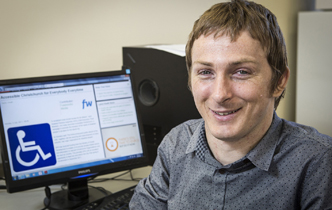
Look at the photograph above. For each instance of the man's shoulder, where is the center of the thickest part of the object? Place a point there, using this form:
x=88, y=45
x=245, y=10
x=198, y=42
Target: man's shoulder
x=188, y=126
x=174, y=145
x=306, y=134
x=182, y=133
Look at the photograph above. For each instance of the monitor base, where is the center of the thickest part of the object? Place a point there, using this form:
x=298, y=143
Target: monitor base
x=60, y=201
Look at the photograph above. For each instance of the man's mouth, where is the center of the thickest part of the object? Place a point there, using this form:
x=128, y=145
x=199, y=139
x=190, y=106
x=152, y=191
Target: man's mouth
x=226, y=113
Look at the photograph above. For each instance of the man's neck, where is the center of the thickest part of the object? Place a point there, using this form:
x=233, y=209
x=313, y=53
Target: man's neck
x=229, y=152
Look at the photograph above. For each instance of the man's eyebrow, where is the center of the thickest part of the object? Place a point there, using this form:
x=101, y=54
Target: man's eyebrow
x=203, y=63
x=232, y=63
x=242, y=61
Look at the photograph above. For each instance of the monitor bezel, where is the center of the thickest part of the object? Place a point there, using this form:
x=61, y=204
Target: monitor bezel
x=67, y=176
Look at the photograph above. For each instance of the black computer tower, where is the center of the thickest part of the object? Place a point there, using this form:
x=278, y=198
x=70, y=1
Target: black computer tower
x=161, y=81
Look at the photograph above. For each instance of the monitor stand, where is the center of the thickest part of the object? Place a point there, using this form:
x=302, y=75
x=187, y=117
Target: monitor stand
x=77, y=194
x=1, y=171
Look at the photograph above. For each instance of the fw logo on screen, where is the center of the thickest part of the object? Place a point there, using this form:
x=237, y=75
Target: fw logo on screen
x=86, y=103
x=31, y=147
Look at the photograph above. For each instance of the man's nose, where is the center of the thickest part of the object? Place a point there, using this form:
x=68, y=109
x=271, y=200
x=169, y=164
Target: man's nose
x=222, y=89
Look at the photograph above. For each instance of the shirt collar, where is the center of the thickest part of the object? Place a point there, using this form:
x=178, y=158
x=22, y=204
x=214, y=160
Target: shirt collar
x=200, y=147
x=196, y=138
x=261, y=155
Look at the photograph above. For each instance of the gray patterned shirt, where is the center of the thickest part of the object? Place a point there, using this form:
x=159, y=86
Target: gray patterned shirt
x=290, y=168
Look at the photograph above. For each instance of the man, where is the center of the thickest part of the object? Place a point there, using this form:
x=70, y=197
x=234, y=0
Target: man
x=241, y=155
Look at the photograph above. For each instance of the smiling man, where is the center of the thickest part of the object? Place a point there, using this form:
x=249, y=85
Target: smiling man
x=240, y=155
x=230, y=81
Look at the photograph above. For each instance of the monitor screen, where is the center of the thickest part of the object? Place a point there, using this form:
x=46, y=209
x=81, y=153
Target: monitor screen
x=61, y=129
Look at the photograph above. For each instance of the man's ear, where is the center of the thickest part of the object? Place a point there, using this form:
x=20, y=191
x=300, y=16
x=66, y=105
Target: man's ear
x=282, y=83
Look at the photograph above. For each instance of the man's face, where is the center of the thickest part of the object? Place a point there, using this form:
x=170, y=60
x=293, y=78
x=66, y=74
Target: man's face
x=231, y=87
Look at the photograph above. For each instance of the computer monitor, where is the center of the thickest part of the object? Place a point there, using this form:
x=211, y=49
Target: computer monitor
x=67, y=129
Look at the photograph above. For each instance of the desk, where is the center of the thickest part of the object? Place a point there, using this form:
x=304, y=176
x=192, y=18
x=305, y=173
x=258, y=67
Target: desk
x=33, y=199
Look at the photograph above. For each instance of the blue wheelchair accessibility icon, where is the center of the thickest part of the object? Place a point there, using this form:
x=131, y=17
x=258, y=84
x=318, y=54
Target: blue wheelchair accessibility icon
x=31, y=147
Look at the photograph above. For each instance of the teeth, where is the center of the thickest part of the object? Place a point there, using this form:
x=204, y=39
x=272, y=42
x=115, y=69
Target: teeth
x=227, y=113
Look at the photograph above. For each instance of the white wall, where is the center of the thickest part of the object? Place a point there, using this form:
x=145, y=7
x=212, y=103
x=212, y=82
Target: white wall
x=314, y=101
x=48, y=37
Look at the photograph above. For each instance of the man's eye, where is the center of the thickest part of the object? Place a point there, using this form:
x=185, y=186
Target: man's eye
x=242, y=72
x=205, y=72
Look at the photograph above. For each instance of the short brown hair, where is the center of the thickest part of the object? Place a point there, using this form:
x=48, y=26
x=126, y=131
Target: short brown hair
x=232, y=18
